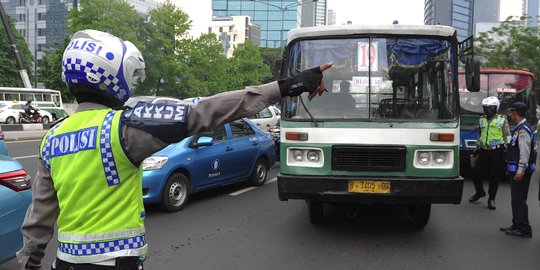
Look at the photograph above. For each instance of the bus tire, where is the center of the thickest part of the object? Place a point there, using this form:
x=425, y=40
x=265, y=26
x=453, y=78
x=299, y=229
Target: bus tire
x=316, y=211
x=419, y=214
x=10, y=120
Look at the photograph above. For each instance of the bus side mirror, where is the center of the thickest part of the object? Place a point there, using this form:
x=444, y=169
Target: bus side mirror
x=472, y=74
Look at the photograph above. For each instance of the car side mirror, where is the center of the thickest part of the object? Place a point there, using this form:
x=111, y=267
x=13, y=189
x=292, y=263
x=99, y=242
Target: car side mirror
x=472, y=74
x=205, y=141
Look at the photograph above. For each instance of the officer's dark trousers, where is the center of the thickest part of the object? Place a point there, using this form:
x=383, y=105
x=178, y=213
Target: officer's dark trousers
x=490, y=167
x=125, y=263
x=520, y=211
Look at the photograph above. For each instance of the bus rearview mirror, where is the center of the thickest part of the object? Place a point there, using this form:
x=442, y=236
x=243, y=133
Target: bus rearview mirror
x=472, y=74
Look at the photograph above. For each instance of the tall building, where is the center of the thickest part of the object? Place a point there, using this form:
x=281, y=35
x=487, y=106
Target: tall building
x=531, y=8
x=276, y=17
x=43, y=23
x=331, y=17
x=455, y=13
x=235, y=30
x=314, y=13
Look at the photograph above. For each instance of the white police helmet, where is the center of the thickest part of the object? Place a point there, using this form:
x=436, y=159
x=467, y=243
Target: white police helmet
x=104, y=63
x=491, y=101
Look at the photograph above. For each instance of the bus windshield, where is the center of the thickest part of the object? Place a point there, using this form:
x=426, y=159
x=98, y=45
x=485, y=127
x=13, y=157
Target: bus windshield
x=509, y=87
x=386, y=79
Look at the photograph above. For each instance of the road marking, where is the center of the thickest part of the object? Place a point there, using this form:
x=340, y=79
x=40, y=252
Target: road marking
x=23, y=141
x=23, y=157
x=271, y=181
x=242, y=191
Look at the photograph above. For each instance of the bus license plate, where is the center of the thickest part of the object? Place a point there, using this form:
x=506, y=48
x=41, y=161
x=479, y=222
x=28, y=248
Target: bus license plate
x=377, y=187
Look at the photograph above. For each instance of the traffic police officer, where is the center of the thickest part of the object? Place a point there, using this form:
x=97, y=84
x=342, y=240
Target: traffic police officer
x=89, y=178
x=494, y=133
x=521, y=159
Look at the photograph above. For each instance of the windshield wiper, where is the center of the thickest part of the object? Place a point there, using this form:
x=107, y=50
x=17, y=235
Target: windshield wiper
x=308, y=112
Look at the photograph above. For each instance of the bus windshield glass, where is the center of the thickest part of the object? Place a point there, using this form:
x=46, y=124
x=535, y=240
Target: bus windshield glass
x=509, y=87
x=386, y=79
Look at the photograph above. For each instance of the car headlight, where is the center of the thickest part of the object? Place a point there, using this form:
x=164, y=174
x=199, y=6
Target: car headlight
x=154, y=163
x=424, y=158
x=298, y=155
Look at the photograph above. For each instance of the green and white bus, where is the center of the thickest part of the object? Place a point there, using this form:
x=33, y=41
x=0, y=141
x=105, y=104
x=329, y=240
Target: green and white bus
x=397, y=142
x=46, y=99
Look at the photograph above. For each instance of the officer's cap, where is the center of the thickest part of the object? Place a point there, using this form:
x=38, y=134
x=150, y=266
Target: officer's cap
x=519, y=107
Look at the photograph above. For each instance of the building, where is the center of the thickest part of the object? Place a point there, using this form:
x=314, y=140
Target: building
x=276, y=17
x=43, y=23
x=234, y=30
x=314, y=13
x=331, y=17
x=531, y=9
x=456, y=13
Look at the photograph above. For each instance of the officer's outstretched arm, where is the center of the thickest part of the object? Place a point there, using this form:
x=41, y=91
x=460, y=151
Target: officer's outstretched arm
x=38, y=225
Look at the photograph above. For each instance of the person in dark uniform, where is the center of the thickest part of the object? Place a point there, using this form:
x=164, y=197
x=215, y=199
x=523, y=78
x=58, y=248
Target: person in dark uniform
x=494, y=131
x=89, y=180
x=521, y=158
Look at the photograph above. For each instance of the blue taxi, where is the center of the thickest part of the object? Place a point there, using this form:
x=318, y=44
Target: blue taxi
x=231, y=153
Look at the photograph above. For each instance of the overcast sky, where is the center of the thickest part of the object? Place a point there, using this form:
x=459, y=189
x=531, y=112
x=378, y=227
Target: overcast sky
x=357, y=11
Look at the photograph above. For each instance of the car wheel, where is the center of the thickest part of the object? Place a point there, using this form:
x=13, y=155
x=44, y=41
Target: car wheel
x=419, y=214
x=316, y=211
x=176, y=193
x=10, y=120
x=258, y=176
x=45, y=119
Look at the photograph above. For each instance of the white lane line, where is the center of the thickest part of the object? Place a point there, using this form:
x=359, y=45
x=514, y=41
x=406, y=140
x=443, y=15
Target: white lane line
x=23, y=141
x=271, y=181
x=23, y=157
x=242, y=191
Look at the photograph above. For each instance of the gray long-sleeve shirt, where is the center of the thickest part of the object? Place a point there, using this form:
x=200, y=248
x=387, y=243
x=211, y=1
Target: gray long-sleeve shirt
x=38, y=226
x=524, y=141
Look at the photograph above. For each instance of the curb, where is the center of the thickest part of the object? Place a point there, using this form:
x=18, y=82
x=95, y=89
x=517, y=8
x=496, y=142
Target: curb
x=25, y=127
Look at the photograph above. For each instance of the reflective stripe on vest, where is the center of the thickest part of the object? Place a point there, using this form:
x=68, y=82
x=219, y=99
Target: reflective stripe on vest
x=98, y=248
x=109, y=165
x=45, y=152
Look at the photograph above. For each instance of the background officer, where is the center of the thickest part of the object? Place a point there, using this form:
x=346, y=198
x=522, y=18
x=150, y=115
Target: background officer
x=494, y=132
x=89, y=178
x=521, y=159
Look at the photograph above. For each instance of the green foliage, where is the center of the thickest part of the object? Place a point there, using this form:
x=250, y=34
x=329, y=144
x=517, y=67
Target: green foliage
x=270, y=57
x=248, y=64
x=511, y=45
x=51, y=73
x=9, y=71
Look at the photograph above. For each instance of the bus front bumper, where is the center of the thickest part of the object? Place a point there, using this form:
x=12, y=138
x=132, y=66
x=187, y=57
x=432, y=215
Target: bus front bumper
x=402, y=190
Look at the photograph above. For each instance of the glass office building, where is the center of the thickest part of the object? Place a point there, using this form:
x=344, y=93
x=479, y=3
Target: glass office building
x=455, y=13
x=276, y=17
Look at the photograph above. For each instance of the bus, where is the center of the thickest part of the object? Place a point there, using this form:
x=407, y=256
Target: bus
x=508, y=86
x=397, y=142
x=46, y=99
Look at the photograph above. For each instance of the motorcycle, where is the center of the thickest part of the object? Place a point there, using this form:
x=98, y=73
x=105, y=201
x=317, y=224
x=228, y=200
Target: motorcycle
x=35, y=117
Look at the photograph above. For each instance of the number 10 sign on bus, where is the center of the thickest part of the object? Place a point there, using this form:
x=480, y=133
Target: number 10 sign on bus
x=364, y=62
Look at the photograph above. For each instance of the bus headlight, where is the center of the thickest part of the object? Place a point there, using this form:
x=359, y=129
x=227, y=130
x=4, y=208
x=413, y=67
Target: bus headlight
x=298, y=155
x=305, y=157
x=434, y=159
x=424, y=158
x=313, y=156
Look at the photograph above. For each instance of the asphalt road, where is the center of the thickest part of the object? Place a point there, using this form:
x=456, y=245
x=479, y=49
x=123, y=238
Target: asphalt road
x=254, y=230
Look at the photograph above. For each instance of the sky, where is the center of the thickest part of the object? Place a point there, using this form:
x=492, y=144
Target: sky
x=357, y=11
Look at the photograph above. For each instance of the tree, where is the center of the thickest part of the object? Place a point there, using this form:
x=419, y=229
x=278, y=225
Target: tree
x=248, y=65
x=9, y=71
x=51, y=73
x=512, y=46
x=270, y=57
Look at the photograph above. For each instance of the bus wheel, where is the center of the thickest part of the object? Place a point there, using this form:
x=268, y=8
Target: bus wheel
x=316, y=211
x=419, y=214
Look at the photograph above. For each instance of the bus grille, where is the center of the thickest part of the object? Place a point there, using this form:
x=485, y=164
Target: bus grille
x=370, y=159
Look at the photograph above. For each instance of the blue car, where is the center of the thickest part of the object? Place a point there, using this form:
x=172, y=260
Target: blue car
x=15, y=196
x=3, y=146
x=231, y=153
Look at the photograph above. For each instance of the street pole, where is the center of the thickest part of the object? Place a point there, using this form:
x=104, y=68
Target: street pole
x=281, y=43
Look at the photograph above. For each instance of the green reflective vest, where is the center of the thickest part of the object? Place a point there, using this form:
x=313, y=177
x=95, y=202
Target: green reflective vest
x=491, y=132
x=99, y=189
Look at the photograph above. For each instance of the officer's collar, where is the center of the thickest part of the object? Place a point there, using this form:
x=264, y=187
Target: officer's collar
x=86, y=106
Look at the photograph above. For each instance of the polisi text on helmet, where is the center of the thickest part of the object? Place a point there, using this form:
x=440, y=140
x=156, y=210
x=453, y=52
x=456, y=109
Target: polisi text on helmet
x=88, y=46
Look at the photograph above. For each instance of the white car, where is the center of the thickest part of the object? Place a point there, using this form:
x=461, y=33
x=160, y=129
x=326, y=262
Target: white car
x=9, y=113
x=267, y=118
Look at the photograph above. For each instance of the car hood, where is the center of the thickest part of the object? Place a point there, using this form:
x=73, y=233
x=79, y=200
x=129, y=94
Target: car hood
x=174, y=148
x=9, y=164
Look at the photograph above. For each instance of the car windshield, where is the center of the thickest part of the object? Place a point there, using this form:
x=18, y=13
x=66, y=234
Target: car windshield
x=409, y=79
